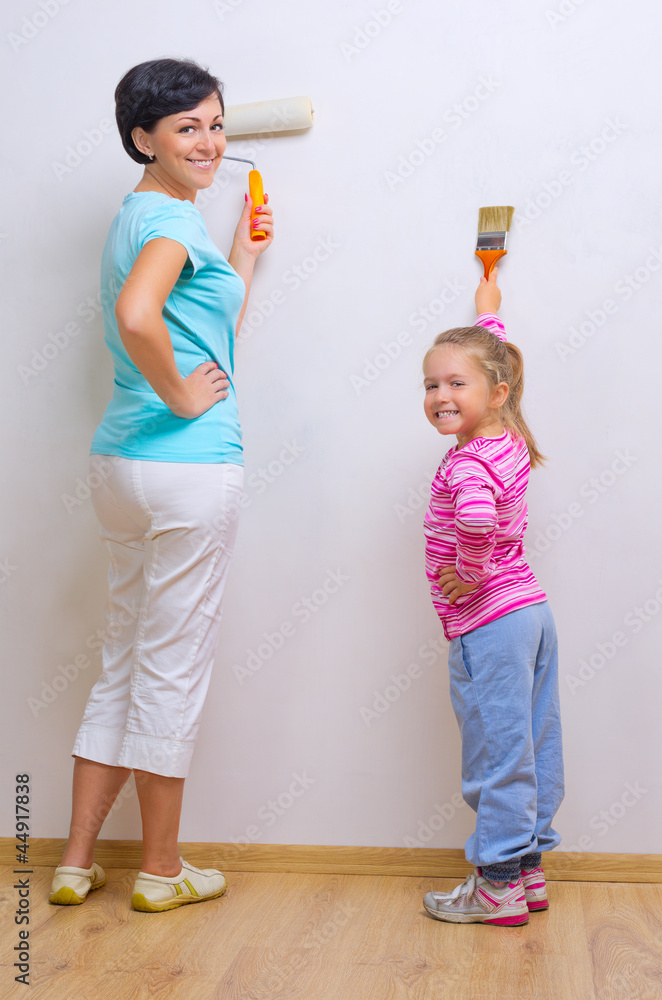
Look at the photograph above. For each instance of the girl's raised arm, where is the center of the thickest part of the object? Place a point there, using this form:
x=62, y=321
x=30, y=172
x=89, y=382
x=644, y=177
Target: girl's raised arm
x=488, y=294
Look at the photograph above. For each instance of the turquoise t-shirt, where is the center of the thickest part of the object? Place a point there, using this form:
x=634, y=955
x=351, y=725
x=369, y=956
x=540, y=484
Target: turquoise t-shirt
x=201, y=314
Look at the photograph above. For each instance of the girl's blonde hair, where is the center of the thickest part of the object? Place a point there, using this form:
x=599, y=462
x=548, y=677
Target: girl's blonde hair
x=500, y=362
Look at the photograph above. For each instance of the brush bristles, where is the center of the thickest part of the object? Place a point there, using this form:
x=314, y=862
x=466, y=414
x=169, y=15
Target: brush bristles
x=495, y=219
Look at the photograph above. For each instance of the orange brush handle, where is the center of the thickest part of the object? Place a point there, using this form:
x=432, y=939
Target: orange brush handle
x=256, y=192
x=489, y=258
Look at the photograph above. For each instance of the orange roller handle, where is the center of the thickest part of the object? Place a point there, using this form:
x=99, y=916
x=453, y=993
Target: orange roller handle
x=489, y=258
x=256, y=192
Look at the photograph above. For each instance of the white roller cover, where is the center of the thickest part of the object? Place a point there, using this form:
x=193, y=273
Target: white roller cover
x=266, y=117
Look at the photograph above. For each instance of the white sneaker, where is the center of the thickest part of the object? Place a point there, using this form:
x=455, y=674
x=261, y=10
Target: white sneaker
x=477, y=900
x=535, y=889
x=70, y=885
x=154, y=893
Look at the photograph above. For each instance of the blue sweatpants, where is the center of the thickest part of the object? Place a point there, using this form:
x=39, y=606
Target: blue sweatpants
x=504, y=690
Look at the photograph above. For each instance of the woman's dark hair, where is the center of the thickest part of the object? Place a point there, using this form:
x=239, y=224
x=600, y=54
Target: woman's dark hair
x=153, y=90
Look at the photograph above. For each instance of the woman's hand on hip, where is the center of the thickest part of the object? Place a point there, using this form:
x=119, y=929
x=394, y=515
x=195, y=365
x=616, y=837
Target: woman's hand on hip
x=206, y=385
x=452, y=587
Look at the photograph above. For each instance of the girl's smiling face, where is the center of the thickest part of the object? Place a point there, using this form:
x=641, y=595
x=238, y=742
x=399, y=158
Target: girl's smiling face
x=459, y=399
x=187, y=147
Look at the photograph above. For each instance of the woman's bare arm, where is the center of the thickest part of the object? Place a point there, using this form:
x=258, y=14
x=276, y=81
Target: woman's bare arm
x=245, y=251
x=139, y=313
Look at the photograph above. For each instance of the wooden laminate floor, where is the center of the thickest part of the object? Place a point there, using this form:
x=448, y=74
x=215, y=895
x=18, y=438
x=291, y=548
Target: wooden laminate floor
x=333, y=937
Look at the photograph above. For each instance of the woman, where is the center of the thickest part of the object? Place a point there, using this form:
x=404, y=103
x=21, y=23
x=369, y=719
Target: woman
x=168, y=458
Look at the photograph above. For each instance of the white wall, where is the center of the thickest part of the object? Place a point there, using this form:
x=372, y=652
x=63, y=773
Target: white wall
x=558, y=115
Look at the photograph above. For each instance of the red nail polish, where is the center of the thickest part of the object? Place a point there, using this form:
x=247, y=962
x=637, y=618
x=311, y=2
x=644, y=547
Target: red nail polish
x=245, y=197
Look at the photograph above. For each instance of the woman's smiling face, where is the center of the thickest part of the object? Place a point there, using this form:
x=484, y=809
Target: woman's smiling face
x=187, y=147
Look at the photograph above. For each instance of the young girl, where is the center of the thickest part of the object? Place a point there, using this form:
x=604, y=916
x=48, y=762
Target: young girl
x=503, y=649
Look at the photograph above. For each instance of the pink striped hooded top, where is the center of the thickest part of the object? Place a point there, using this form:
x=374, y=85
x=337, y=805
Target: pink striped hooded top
x=476, y=521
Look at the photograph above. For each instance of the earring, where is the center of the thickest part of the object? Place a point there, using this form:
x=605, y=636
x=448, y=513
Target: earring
x=151, y=156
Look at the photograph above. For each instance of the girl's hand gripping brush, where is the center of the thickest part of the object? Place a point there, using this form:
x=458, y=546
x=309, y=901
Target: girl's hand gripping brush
x=493, y=226
x=261, y=119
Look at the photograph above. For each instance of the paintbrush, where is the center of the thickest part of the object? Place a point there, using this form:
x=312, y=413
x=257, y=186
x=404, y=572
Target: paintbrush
x=493, y=226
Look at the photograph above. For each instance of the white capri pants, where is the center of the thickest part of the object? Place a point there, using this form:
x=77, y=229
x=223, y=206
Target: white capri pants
x=169, y=528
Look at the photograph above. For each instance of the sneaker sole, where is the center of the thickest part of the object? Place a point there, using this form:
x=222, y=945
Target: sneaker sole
x=141, y=903
x=67, y=897
x=516, y=920
x=540, y=905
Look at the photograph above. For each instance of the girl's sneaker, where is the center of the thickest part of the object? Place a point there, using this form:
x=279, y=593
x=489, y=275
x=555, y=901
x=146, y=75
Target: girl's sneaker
x=70, y=886
x=478, y=901
x=535, y=889
x=154, y=893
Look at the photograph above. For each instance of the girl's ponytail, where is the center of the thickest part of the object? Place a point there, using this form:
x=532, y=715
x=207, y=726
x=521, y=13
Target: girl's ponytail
x=512, y=413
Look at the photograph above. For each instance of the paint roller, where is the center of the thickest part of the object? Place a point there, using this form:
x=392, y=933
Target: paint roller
x=290, y=115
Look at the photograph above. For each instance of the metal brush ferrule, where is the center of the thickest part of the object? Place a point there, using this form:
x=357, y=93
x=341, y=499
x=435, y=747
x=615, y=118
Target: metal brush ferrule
x=491, y=241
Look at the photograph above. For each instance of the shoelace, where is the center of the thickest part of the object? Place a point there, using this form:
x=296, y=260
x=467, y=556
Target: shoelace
x=465, y=889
